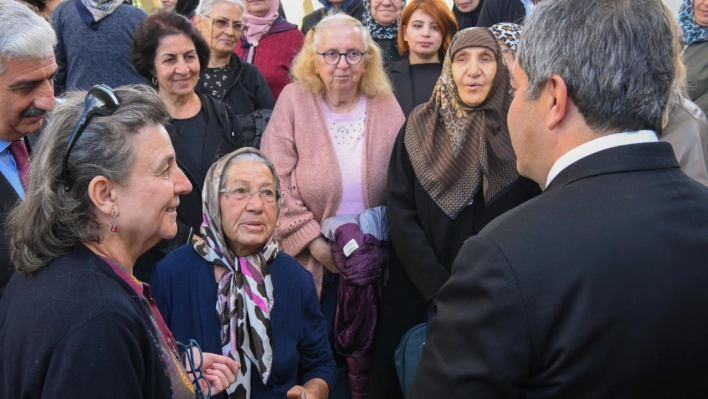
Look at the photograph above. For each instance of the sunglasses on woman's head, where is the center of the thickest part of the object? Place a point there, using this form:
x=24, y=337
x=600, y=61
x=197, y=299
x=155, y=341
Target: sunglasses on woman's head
x=100, y=100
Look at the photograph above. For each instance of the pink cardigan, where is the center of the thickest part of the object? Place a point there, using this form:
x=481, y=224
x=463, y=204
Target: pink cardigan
x=298, y=143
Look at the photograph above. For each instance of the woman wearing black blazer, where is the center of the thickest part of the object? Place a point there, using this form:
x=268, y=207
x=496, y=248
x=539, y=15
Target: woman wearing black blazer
x=424, y=33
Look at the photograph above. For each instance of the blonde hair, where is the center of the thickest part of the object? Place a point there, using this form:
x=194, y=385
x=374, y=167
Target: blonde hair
x=679, y=85
x=374, y=81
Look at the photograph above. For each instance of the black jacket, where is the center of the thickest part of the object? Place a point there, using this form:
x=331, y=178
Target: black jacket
x=425, y=243
x=356, y=10
x=247, y=88
x=496, y=11
x=403, y=85
x=594, y=289
x=8, y=200
x=75, y=329
x=223, y=135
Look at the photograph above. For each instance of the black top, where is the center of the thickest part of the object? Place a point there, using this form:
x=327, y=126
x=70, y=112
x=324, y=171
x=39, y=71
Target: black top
x=355, y=10
x=389, y=51
x=467, y=19
x=496, y=11
x=192, y=131
x=244, y=89
x=594, y=289
x=413, y=84
x=75, y=329
x=426, y=242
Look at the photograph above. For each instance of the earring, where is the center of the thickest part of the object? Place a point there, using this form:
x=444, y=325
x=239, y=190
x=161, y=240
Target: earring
x=114, y=226
x=154, y=81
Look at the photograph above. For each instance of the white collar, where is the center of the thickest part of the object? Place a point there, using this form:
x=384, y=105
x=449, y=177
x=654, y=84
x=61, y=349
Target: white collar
x=597, y=145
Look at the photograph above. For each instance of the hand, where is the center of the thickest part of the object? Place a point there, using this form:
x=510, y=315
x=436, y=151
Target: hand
x=219, y=370
x=299, y=392
x=321, y=251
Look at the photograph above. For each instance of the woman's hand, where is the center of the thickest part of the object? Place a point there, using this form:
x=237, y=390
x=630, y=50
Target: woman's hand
x=320, y=250
x=219, y=370
x=316, y=388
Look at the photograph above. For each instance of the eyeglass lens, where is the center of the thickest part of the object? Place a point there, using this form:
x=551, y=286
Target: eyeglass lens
x=224, y=23
x=332, y=57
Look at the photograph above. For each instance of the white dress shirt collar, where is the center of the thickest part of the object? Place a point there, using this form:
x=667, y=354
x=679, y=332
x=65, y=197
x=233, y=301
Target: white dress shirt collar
x=597, y=145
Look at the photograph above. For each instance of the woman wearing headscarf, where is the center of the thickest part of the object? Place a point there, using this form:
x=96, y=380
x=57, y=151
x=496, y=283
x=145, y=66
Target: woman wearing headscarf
x=380, y=18
x=467, y=12
x=94, y=39
x=270, y=42
x=452, y=171
x=353, y=8
x=508, y=36
x=74, y=321
x=267, y=314
x=693, y=19
x=424, y=34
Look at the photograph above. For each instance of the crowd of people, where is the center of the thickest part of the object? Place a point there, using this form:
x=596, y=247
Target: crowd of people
x=214, y=201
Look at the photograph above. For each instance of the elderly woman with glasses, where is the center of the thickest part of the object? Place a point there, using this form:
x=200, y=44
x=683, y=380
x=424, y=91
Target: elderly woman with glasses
x=74, y=320
x=267, y=315
x=227, y=78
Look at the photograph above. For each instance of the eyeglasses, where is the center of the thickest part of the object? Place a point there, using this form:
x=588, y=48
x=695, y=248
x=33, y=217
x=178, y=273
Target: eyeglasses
x=222, y=24
x=196, y=370
x=332, y=57
x=100, y=100
x=240, y=193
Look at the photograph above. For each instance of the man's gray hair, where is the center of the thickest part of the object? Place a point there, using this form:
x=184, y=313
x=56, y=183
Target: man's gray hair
x=205, y=6
x=23, y=34
x=615, y=56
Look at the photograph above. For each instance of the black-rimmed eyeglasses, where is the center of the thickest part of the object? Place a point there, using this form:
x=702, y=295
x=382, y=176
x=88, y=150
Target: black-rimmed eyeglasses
x=100, y=100
x=222, y=24
x=332, y=57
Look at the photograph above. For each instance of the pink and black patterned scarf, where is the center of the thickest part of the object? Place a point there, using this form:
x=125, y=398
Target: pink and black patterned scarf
x=245, y=292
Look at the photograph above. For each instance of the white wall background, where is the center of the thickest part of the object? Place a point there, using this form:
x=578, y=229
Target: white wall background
x=295, y=9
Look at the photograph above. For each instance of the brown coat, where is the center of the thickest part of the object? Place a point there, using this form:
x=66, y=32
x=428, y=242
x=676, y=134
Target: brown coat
x=298, y=143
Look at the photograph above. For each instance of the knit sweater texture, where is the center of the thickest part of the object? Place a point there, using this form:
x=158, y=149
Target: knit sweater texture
x=87, y=57
x=274, y=53
x=298, y=143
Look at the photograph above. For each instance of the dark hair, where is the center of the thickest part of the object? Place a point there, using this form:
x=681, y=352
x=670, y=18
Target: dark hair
x=147, y=38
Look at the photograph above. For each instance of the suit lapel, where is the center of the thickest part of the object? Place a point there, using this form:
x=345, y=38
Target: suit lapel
x=626, y=158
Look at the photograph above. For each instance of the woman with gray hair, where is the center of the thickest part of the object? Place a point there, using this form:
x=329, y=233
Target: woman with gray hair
x=226, y=78
x=268, y=317
x=75, y=322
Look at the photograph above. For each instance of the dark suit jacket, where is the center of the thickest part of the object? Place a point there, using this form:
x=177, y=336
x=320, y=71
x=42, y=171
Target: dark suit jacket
x=8, y=199
x=594, y=289
x=497, y=11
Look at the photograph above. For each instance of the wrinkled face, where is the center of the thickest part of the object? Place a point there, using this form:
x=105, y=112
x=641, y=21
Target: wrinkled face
x=523, y=120
x=700, y=12
x=422, y=35
x=385, y=12
x=169, y=5
x=467, y=5
x=341, y=77
x=218, y=27
x=507, y=53
x=176, y=65
x=248, y=223
x=473, y=70
x=147, y=204
x=259, y=8
x=26, y=95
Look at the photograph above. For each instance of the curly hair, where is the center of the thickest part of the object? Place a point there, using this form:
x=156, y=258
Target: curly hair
x=150, y=32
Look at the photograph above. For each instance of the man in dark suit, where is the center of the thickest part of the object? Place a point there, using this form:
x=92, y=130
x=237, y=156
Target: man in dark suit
x=27, y=69
x=598, y=287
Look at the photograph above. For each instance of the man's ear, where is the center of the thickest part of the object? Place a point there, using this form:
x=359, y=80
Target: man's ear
x=101, y=190
x=555, y=96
